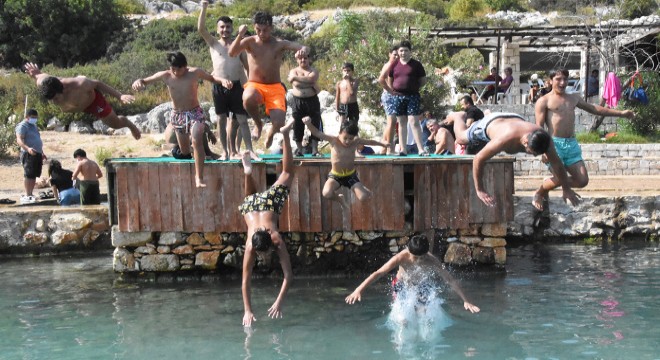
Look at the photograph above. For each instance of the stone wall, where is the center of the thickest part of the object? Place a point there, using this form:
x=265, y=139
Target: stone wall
x=602, y=159
x=51, y=229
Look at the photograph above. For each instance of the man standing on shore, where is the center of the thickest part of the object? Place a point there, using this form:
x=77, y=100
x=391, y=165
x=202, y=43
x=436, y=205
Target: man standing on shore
x=32, y=153
x=264, y=86
x=228, y=95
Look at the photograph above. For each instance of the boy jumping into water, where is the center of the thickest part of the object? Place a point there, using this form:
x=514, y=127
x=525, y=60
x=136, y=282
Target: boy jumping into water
x=187, y=116
x=261, y=212
x=417, y=268
x=342, y=158
x=82, y=94
x=264, y=86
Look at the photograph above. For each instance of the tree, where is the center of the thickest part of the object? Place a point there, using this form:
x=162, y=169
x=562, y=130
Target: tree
x=61, y=32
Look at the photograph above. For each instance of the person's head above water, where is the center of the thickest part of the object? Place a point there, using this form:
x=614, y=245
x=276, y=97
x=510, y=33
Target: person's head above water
x=418, y=245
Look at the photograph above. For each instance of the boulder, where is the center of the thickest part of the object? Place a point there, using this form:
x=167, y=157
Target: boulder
x=160, y=262
x=81, y=128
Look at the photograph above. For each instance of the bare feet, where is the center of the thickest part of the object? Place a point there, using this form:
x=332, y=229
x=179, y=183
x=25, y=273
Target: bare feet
x=254, y=156
x=135, y=131
x=539, y=198
x=224, y=157
x=199, y=182
x=256, y=132
x=247, y=163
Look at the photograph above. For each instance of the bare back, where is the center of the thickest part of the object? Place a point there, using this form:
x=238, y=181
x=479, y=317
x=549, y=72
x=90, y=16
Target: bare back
x=88, y=170
x=414, y=270
x=78, y=94
x=505, y=134
x=557, y=112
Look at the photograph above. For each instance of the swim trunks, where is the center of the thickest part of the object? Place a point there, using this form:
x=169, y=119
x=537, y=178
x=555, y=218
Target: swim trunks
x=385, y=102
x=477, y=135
x=90, y=193
x=274, y=95
x=568, y=150
x=32, y=165
x=226, y=100
x=422, y=291
x=182, y=121
x=351, y=111
x=346, y=179
x=270, y=200
x=402, y=105
x=301, y=107
x=100, y=108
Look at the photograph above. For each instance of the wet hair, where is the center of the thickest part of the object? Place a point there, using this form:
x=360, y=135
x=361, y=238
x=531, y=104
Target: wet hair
x=538, y=141
x=177, y=59
x=263, y=18
x=404, y=44
x=79, y=152
x=350, y=127
x=348, y=66
x=261, y=240
x=468, y=99
x=32, y=112
x=225, y=19
x=418, y=245
x=50, y=87
x=54, y=167
x=557, y=72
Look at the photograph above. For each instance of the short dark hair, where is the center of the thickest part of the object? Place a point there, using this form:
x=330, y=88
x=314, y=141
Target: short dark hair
x=394, y=47
x=32, y=112
x=350, y=127
x=405, y=44
x=557, y=72
x=261, y=240
x=54, y=167
x=418, y=245
x=348, y=65
x=177, y=59
x=468, y=99
x=50, y=87
x=539, y=141
x=225, y=19
x=79, y=152
x=263, y=18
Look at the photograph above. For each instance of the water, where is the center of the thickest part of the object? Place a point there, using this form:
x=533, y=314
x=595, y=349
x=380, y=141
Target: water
x=554, y=302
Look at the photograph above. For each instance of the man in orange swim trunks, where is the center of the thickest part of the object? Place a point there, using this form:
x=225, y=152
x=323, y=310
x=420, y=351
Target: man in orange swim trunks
x=82, y=94
x=264, y=85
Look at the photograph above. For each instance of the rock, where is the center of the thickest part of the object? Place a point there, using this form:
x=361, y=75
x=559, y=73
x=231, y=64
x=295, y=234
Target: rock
x=156, y=120
x=81, y=128
x=195, y=239
x=124, y=261
x=90, y=236
x=232, y=260
x=190, y=6
x=62, y=238
x=35, y=238
x=146, y=250
x=369, y=235
x=100, y=127
x=213, y=238
x=184, y=249
x=500, y=255
x=495, y=230
x=473, y=230
x=124, y=239
x=170, y=238
x=163, y=249
x=492, y=242
x=484, y=255
x=54, y=124
x=470, y=240
x=207, y=259
x=69, y=222
x=326, y=99
x=40, y=225
x=335, y=237
x=158, y=7
x=159, y=263
x=205, y=247
x=458, y=254
x=228, y=249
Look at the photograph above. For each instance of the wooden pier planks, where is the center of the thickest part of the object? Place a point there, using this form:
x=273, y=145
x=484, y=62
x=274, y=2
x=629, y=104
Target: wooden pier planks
x=162, y=196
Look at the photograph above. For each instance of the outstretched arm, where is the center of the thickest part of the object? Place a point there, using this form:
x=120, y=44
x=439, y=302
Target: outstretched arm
x=316, y=132
x=246, y=287
x=446, y=276
x=372, y=142
x=201, y=24
x=141, y=84
x=107, y=89
x=603, y=111
x=356, y=295
x=275, y=310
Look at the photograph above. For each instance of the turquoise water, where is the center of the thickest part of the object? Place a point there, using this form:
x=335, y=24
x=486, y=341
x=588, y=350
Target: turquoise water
x=554, y=302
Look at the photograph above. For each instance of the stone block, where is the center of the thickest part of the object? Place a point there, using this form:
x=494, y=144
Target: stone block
x=40, y=225
x=470, y=240
x=183, y=249
x=124, y=261
x=170, y=238
x=160, y=263
x=472, y=230
x=163, y=249
x=228, y=249
x=63, y=238
x=35, y=238
x=483, y=255
x=496, y=230
x=146, y=250
x=350, y=237
x=500, y=255
x=69, y=222
x=90, y=236
x=213, y=238
x=207, y=259
x=369, y=235
x=124, y=239
x=195, y=239
x=492, y=242
x=458, y=254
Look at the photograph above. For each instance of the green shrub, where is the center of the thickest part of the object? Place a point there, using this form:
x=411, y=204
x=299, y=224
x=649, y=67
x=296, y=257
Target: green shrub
x=471, y=66
x=510, y=5
x=465, y=9
x=101, y=154
x=247, y=8
x=632, y=9
x=647, y=122
x=8, y=121
x=127, y=7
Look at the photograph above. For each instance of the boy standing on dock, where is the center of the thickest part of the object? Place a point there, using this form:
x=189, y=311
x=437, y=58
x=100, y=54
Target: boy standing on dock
x=261, y=212
x=90, y=173
x=346, y=95
x=342, y=158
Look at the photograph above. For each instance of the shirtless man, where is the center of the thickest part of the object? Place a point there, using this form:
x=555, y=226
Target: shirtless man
x=346, y=95
x=228, y=95
x=556, y=110
x=90, y=173
x=261, y=212
x=416, y=268
x=305, y=102
x=342, y=158
x=187, y=116
x=264, y=85
x=512, y=134
x=390, y=126
x=441, y=137
x=82, y=94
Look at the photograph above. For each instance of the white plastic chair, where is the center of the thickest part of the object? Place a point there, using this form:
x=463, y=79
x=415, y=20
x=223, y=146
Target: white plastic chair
x=507, y=93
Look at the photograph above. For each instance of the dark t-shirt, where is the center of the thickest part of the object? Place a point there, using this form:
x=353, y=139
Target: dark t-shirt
x=406, y=77
x=62, y=180
x=475, y=113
